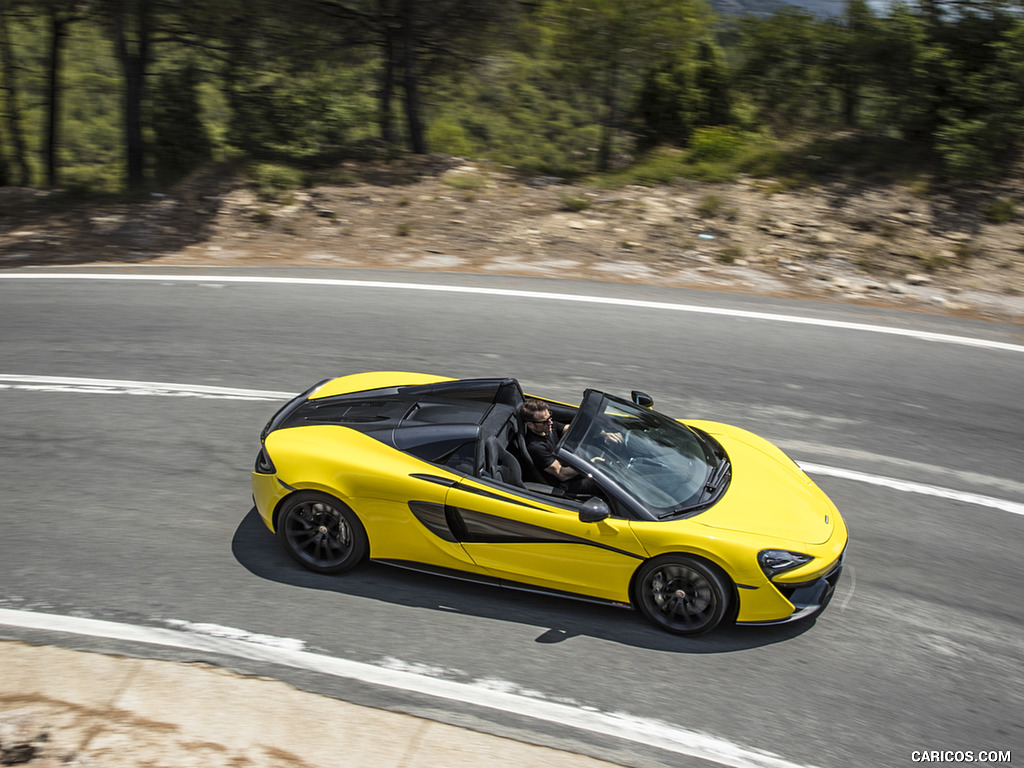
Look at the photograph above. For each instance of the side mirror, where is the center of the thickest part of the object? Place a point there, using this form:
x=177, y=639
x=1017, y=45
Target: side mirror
x=594, y=510
x=642, y=399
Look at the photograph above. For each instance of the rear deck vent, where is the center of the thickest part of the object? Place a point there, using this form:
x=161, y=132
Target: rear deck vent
x=359, y=412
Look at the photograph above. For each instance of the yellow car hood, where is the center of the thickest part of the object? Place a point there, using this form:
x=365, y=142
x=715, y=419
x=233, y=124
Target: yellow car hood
x=769, y=494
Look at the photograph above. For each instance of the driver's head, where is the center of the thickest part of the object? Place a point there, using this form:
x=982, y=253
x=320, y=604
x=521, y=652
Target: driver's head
x=536, y=416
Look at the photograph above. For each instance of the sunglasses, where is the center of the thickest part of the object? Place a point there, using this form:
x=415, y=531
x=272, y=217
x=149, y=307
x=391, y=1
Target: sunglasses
x=542, y=421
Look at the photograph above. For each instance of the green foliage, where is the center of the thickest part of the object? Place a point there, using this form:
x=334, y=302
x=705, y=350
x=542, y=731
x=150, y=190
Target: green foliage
x=574, y=203
x=716, y=145
x=91, y=147
x=662, y=165
x=605, y=46
x=298, y=117
x=180, y=141
x=850, y=156
x=709, y=206
x=273, y=180
x=730, y=254
x=679, y=95
x=465, y=181
x=964, y=253
x=450, y=136
x=962, y=145
x=559, y=87
x=716, y=154
x=1001, y=212
x=516, y=111
x=782, y=70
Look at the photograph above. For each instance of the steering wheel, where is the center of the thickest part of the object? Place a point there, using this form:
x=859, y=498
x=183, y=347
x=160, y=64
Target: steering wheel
x=611, y=452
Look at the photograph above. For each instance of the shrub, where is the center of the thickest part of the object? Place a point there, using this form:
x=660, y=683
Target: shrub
x=717, y=143
x=271, y=180
x=465, y=181
x=730, y=255
x=964, y=253
x=662, y=165
x=709, y=206
x=574, y=203
x=447, y=135
x=1001, y=212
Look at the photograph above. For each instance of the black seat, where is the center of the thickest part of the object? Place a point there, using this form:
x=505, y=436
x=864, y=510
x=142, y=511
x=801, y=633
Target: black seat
x=500, y=464
x=529, y=469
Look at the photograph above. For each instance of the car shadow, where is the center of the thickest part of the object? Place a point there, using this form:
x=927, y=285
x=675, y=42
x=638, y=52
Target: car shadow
x=257, y=550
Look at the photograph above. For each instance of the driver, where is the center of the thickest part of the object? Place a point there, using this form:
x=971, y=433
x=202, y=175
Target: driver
x=542, y=435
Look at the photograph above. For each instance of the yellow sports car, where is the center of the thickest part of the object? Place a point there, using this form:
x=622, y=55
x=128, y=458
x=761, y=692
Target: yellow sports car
x=690, y=522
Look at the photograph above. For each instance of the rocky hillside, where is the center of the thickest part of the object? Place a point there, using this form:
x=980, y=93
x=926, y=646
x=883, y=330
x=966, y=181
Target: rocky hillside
x=954, y=253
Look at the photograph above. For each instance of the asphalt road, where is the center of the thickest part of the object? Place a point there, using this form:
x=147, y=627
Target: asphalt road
x=135, y=507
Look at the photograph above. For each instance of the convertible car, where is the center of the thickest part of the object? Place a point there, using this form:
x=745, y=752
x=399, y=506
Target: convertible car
x=691, y=523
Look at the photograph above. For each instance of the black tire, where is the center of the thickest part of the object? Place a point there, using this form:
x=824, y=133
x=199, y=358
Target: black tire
x=321, y=533
x=682, y=594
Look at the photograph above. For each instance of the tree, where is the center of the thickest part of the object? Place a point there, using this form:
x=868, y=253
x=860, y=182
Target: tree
x=682, y=94
x=949, y=84
x=979, y=128
x=180, y=139
x=783, y=68
x=850, y=53
x=406, y=19
x=8, y=69
x=60, y=15
x=413, y=45
x=130, y=24
x=607, y=45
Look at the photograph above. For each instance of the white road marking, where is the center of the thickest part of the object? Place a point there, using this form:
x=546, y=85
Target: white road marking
x=484, y=693
x=114, y=386
x=218, y=630
x=852, y=578
x=944, y=338
x=899, y=464
x=909, y=487
x=120, y=387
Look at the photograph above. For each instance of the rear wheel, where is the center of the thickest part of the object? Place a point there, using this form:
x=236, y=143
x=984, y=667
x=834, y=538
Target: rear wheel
x=321, y=533
x=682, y=594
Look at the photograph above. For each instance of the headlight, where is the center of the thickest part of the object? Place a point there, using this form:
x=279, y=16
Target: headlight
x=264, y=465
x=775, y=561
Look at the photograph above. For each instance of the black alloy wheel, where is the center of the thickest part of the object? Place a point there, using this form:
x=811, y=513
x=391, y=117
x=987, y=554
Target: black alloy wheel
x=321, y=533
x=682, y=594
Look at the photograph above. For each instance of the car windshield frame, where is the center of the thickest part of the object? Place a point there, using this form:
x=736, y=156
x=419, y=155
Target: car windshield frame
x=664, y=466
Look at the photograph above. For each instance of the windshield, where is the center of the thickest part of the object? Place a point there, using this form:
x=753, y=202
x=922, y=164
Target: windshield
x=662, y=463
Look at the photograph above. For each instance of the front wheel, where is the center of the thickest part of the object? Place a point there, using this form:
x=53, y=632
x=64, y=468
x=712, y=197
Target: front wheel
x=321, y=533
x=682, y=594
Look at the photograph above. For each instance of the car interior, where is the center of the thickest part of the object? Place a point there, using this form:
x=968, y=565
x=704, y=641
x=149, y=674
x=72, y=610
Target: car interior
x=502, y=455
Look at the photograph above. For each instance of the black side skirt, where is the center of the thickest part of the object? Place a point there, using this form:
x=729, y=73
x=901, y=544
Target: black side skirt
x=476, y=578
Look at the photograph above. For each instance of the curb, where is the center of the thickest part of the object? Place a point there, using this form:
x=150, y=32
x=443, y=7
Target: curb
x=75, y=709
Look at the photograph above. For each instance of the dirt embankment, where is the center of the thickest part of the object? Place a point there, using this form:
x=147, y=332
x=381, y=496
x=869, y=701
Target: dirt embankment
x=941, y=252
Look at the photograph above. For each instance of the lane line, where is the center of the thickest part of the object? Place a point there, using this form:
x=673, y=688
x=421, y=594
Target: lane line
x=911, y=487
x=122, y=387
x=853, y=586
x=1014, y=488
x=163, y=389
x=943, y=338
x=489, y=694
